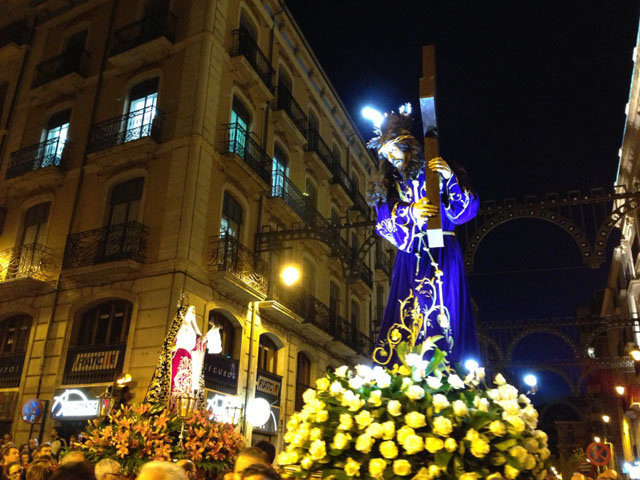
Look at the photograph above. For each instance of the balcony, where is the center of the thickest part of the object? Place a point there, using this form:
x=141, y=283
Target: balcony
x=362, y=344
x=341, y=185
x=58, y=76
x=251, y=65
x=255, y=165
x=12, y=37
x=318, y=156
x=366, y=275
x=93, y=363
x=11, y=369
x=284, y=189
x=289, y=116
x=26, y=270
x=233, y=269
x=111, y=250
x=128, y=138
x=342, y=331
x=43, y=162
x=383, y=260
x=155, y=35
x=360, y=204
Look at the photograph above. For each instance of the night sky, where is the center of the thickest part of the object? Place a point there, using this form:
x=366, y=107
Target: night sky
x=531, y=99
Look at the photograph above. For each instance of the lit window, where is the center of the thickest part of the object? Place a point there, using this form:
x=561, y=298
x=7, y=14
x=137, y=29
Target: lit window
x=591, y=352
x=142, y=109
x=55, y=139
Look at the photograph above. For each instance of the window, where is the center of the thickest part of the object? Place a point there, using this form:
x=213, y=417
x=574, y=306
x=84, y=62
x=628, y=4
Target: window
x=334, y=298
x=104, y=324
x=247, y=26
x=227, y=332
x=231, y=216
x=314, y=124
x=279, y=172
x=303, y=378
x=27, y=258
x=239, y=127
x=267, y=355
x=355, y=317
x=355, y=181
x=309, y=277
x=312, y=194
x=55, y=137
x=337, y=157
x=142, y=109
x=155, y=7
x=35, y=221
x=14, y=334
x=124, y=208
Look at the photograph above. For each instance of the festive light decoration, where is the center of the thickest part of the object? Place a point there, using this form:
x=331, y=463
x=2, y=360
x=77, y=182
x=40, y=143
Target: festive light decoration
x=258, y=411
x=531, y=380
x=620, y=390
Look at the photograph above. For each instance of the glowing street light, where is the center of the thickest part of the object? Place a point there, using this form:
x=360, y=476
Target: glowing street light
x=290, y=275
x=374, y=115
x=635, y=354
x=258, y=411
x=471, y=365
x=531, y=380
x=620, y=390
x=606, y=418
x=596, y=439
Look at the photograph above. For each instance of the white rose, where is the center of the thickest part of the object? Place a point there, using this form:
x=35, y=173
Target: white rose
x=524, y=399
x=415, y=392
x=512, y=407
x=455, y=381
x=481, y=403
x=434, y=383
x=493, y=394
x=460, y=408
x=375, y=398
x=508, y=392
x=406, y=383
x=382, y=378
x=309, y=395
x=356, y=382
x=499, y=380
x=341, y=371
x=336, y=389
x=365, y=372
x=440, y=402
x=394, y=407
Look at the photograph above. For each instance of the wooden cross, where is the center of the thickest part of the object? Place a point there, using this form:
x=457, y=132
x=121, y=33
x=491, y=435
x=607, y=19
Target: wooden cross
x=431, y=150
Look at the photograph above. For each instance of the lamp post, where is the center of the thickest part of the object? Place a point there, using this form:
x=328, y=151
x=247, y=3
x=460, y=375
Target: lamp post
x=185, y=405
x=532, y=382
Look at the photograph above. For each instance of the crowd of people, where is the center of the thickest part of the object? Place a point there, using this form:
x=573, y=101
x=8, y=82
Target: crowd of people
x=53, y=460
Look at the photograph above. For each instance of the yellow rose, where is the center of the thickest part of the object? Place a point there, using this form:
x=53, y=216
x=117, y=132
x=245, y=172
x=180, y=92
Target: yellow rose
x=388, y=430
x=413, y=444
x=394, y=407
x=377, y=467
x=322, y=384
x=541, y=436
x=481, y=403
x=415, y=420
x=512, y=407
x=471, y=435
x=519, y=453
x=289, y=436
x=346, y=422
x=300, y=438
x=309, y=395
x=364, y=443
x=306, y=463
x=336, y=389
x=403, y=433
x=544, y=453
x=352, y=468
x=479, y=448
x=499, y=380
x=364, y=419
x=375, y=398
x=423, y=474
x=497, y=428
x=532, y=445
x=510, y=472
x=317, y=450
x=529, y=462
x=433, y=444
x=388, y=449
x=442, y=426
x=375, y=430
x=315, y=433
x=515, y=424
x=401, y=467
x=468, y=476
x=495, y=476
x=460, y=408
x=415, y=392
x=284, y=459
x=440, y=402
x=340, y=441
x=434, y=471
x=497, y=459
x=450, y=445
x=322, y=416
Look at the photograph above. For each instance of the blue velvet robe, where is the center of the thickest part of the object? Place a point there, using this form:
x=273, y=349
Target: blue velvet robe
x=413, y=272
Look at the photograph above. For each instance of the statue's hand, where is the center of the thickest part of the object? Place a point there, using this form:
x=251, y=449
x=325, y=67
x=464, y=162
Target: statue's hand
x=422, y=210
x=438, y=164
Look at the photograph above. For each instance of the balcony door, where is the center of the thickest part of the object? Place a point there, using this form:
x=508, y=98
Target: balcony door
x=239, y=128
x=55, y=138
x=142, y=109
x=73, y=51
x=303, y=379
x=124, y=208
x=14, y=338
x=279, y=173
x=231, y=220
x=26, y=258
x=267, y=355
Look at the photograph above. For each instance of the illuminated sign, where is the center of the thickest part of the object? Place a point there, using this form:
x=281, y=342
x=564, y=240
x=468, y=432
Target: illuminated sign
x=271, y=425
x=74, y=403
x=632, y=469
x=105, y=360
x=224, y=408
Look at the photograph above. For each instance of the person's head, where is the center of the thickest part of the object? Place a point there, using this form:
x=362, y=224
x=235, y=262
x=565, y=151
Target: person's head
x=189, y=468
x=7, y=438
x=75, y=456
x=267, y=448
x=13, y=471
x=10, y=454
x=33, y=443
x=74, y=471
x=260, y=472
x=107, y=469
x=73, y=439
x=161, y=471
x=24, y=448
x=38, y=471
x=53, y=433
x=24, y=458
x=43, y=450
x=249, y=456
x=45, y=460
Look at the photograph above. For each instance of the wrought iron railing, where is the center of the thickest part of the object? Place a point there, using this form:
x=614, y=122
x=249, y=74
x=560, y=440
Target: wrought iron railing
x=282, y=187
x=106, y=244
x=285, y=101
x=360, y=204
x=313, y=218
x=28, y=261
x=239, y=141
x=145, y=122
x=57, y=67
x=245, y=45
x=366, y=275
x=14, y=33
x=341, y=329
x=229, y=255
x=93, y=363
x=317, y=145
x=162, y=24
x=362, y=343
x=11, y=369
x=383, y=260
x=341, y=177
x=50, y=153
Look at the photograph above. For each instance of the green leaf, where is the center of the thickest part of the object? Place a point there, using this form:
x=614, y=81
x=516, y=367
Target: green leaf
x=443, y=458
x=438, y=356
x=513, y=462
x=506, y=444
x=480, y=420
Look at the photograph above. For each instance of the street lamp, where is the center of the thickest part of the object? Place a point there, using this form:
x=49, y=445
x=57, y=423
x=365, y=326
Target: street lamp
x=620, y=390
x=606, y=418
x=596, y=439
x=532, y=382
x=471, y=365
x=290, y=275
x=635, y=354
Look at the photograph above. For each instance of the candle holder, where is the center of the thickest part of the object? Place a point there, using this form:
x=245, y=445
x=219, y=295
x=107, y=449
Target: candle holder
x=184, y=406
x=105, y=402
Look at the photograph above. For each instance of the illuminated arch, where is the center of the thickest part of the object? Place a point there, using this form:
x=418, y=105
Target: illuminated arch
x=542, y=329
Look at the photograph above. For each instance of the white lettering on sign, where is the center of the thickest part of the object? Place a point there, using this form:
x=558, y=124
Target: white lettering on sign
x=224, y=408
x=74, y=403
x=85, y=362
x=632, y=469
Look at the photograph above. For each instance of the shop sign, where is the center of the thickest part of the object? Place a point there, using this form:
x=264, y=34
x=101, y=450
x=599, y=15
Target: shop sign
x=271, y=426
x=89, y=361
x=221, y=373
x=632, y=469
x=224, y=408
x=75, y=402
x=269, y=385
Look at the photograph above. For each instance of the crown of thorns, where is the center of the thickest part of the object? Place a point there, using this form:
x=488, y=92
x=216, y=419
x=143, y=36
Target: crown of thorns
x=394, y=129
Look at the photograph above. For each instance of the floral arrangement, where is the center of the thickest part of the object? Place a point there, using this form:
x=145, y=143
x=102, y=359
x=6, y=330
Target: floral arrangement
x=137, y=434
x=421, y=420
